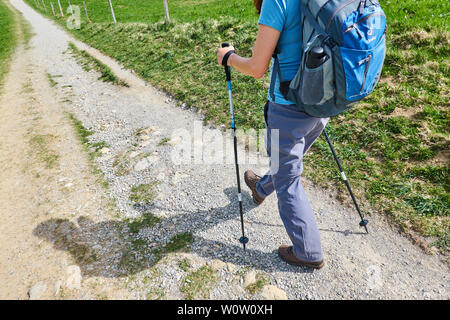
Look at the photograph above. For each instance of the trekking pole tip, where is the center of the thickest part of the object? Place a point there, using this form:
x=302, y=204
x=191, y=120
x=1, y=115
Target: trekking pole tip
x=364, y=223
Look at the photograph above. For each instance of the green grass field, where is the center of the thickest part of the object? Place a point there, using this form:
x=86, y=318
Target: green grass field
x=7, y=39
x=394, y=146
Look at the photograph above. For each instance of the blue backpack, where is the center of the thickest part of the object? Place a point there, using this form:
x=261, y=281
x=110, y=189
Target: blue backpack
x=344, y=46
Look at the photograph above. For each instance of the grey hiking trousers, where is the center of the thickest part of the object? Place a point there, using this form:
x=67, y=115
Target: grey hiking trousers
x=297, y=131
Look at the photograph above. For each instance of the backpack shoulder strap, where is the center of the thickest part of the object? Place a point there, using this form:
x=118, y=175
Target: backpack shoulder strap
x=275, y=71
x=312, y=20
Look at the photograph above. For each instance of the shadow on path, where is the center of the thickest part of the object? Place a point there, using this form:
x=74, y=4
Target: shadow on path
x=110, y=249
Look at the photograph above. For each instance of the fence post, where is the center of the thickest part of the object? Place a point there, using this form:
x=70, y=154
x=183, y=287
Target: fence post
x=53, y=9
x=85, y=11
x=112, y=11
x=43, y=3
x=60, y=9
x=166, y=10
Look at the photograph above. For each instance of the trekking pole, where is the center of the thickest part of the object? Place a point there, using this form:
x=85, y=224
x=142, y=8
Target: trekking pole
x=242, y=239
x=363, y=222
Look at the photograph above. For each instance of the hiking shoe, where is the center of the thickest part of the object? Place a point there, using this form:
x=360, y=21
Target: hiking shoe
x=250, y=180
x=285, y=252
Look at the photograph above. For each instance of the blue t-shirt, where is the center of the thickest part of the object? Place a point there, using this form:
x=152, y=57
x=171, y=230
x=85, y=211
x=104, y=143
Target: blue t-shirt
x=284, y=15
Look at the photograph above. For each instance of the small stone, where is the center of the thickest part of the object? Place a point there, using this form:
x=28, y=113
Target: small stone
x=37, y=290
x=147, y=130
x=152, y=159
x=145, y=163
x=104, y=150
x=161, y=176
x=134, y=154
x=144, y=143
x=249, y=278
x=174, y=142
x=73, y=280
x=178, y=177
x=217, y=264
x=270, y=292
x=141, y=165
x=231, y=267
x=144, y=137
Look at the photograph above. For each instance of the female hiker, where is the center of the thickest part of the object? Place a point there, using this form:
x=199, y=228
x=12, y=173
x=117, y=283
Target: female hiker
x=279, y=23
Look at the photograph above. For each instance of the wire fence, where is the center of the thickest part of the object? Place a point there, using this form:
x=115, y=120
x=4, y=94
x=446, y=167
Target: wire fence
x=57, y=9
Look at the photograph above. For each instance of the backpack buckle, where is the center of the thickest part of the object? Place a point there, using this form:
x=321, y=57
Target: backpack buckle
x=329, y=41
x=284, y=88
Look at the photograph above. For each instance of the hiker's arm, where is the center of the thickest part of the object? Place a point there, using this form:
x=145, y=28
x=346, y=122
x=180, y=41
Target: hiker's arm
x=257, y=65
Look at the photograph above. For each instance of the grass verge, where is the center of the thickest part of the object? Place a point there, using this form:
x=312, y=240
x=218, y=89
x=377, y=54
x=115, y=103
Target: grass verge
x=7, y=38
x=89, y=63
x=15, y=29
x=93, y=149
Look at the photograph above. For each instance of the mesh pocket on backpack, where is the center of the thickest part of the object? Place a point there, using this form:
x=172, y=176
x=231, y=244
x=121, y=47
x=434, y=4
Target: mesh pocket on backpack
x=317, y=85
x=311, y=90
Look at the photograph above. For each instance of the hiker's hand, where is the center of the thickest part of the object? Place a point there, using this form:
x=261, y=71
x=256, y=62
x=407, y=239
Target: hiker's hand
x=221, y=52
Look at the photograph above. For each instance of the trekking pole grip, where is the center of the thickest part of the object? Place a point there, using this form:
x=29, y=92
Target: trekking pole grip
x=225, y=59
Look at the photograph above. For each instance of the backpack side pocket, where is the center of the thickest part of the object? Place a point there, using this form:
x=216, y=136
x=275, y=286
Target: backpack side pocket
x=311, y=88
x=315, y=86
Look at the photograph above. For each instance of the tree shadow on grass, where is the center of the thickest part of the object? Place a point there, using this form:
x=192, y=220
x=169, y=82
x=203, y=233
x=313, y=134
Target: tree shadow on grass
x=117, y=248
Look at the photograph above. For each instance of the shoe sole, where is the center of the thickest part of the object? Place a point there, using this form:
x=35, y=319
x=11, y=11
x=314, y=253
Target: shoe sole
x=302, y=264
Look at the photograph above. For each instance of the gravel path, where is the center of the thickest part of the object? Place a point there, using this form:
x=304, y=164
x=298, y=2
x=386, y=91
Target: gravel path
x=202, y=199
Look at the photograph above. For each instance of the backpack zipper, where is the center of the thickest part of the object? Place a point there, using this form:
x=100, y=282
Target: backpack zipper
x=355, y=25
x=342, y=6
x=366, y=70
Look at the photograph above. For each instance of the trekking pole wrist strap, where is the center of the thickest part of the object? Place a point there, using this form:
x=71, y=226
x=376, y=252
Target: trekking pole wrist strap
x=226, y=57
